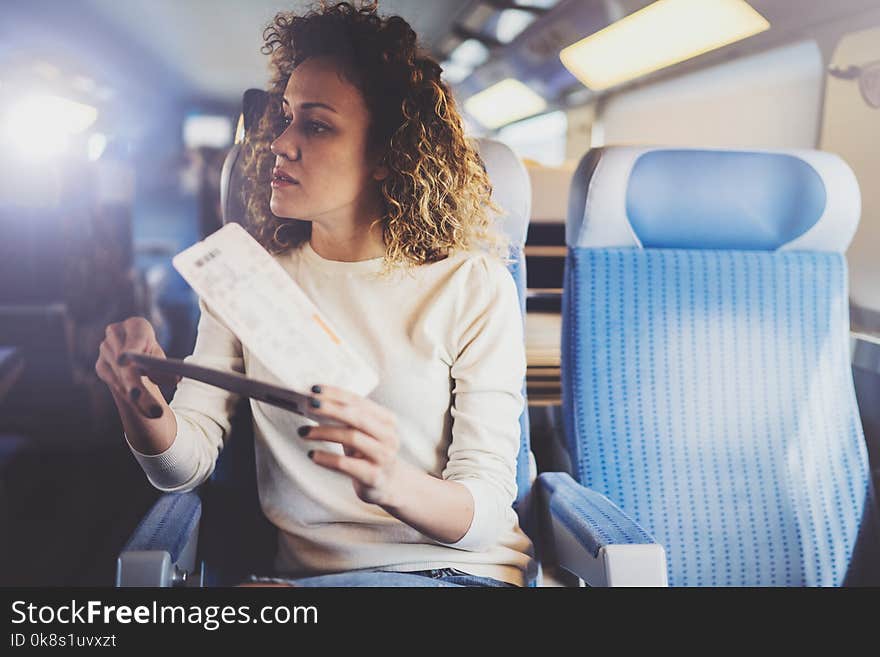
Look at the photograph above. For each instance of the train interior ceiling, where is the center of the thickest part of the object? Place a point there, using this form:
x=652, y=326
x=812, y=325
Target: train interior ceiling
x=117, y=120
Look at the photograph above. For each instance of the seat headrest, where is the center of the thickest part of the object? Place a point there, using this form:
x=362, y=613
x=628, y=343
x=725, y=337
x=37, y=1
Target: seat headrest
x=511, y=187
x=232, y=203
x=654, y=198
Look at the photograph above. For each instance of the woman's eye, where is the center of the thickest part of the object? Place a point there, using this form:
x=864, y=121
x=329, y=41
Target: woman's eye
x=312, y=126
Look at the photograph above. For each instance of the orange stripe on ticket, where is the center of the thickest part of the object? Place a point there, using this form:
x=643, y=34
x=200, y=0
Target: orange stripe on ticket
x=327, y=328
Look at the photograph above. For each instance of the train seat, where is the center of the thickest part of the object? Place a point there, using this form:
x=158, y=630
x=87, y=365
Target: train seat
x=706, y=376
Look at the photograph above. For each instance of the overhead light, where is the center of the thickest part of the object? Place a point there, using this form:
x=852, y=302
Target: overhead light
x=662, y=34
x=511, y=22
x=470, y=53
x=503, y=103
x=453, y=73
x=40, y=127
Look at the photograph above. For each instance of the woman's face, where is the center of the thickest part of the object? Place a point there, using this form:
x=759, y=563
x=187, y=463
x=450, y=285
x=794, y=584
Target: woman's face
x=323, y=148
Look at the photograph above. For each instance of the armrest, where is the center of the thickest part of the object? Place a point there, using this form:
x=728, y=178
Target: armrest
x=162, y=550
x=591, y=537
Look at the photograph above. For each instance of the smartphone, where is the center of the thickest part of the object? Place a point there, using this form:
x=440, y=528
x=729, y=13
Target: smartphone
x=285, y=398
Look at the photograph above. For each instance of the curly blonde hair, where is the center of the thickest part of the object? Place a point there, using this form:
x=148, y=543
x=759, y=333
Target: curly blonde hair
x=437, y=194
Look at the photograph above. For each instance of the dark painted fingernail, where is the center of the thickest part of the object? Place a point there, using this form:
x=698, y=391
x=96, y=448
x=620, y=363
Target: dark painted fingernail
x=312, y=454
x=135, y=393
x=316, y=389
x=303, y=431
x=316, y=403
x=122, y=360
x=155, y=411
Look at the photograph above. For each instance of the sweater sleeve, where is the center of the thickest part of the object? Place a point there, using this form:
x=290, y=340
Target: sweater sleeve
x=488, y=375
x=203, y=412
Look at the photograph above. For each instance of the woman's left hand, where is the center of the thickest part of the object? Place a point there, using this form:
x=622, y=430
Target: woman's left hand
x=370, y=443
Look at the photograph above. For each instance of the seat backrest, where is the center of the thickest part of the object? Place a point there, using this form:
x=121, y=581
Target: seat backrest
x=233, y=482
x=707, y=387
x=512, y=192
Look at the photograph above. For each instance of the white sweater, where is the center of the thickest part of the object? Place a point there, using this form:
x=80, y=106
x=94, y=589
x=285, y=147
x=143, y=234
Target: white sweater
x=446, y=340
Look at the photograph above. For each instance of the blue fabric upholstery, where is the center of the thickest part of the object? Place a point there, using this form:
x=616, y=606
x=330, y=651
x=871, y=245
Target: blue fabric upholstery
x=512, y=192
x=169, y=524
x=518, y=271
x=592, y=517
x=735, y=199
x=708, y=394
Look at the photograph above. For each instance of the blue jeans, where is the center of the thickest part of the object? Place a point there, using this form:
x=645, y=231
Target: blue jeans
x=431, y=578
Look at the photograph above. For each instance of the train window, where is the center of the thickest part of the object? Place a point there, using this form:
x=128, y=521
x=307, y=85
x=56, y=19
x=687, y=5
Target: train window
x=540, y=138
x=207, y=130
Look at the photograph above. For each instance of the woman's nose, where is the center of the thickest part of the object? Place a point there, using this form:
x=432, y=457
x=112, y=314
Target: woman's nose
x=284, y=148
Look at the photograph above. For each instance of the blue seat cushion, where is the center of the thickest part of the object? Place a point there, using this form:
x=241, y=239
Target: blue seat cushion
x=709, y=395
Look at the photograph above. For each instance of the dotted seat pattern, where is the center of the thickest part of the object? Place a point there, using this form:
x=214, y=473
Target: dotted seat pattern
x=709, y=394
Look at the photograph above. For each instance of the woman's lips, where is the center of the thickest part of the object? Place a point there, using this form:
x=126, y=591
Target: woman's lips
x=282, y=179
x=278, y=183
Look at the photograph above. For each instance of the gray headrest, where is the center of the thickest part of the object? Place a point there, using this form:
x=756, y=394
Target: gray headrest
x=511, y=187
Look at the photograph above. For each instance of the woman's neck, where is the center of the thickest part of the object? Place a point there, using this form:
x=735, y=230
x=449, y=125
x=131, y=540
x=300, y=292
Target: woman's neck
x=348, y=244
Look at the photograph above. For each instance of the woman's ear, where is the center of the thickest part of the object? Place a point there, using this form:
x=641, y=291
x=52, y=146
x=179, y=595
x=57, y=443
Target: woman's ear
x=381, y=172
x=377, y=161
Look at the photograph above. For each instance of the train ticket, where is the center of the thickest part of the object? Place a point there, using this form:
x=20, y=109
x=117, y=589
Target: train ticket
x=271, y=315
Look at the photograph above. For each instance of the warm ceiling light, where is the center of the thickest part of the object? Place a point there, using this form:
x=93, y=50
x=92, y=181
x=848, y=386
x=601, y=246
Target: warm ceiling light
x=504, y=102
x=663, y=33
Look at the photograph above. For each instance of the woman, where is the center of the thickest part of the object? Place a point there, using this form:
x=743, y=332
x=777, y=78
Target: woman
x=367, y=193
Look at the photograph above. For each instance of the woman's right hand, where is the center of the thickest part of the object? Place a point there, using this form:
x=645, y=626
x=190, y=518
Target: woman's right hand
x=124, y=378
